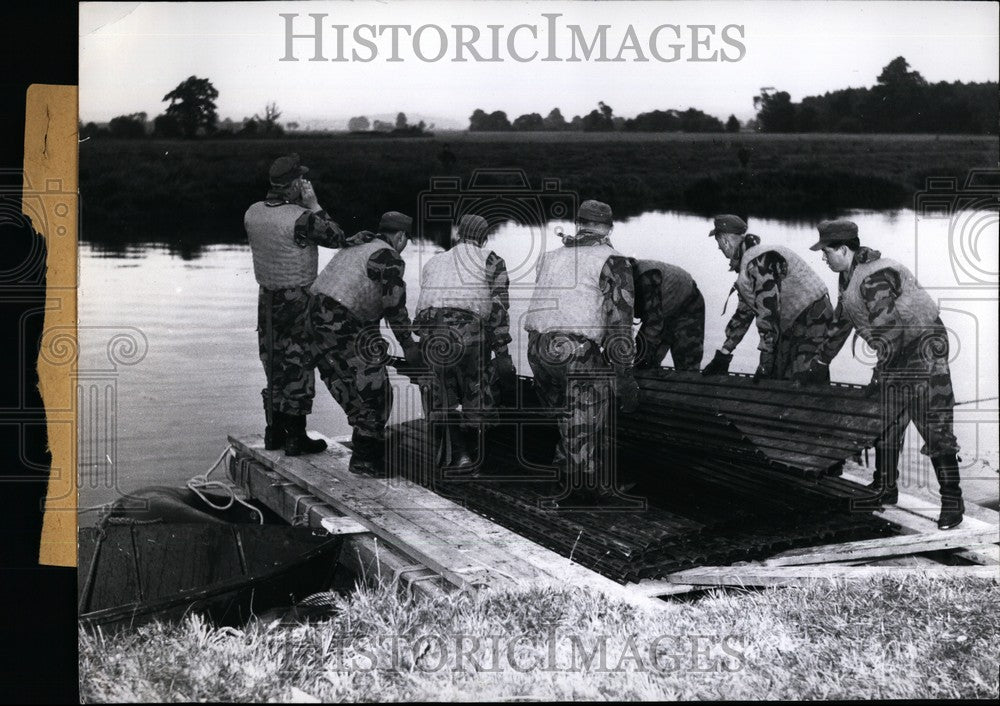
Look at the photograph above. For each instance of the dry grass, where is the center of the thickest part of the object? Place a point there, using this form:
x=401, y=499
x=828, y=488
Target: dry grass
x=882, y=639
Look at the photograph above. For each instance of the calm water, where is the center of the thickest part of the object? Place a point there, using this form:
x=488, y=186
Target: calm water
x=169, y=347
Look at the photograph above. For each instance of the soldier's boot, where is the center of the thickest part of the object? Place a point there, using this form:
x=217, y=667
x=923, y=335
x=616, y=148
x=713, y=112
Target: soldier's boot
x=297, y=442
x=367, y=455
x=274, y=433
x=952, y=505
x=461, y=461
x=885, y=476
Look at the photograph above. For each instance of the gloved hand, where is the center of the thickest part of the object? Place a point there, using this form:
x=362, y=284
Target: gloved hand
x=816, y=374
x=506, y=375
x=719, y=365
x=627, y=391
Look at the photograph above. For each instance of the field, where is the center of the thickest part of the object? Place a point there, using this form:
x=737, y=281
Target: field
x=196, y=191
x=880, y=640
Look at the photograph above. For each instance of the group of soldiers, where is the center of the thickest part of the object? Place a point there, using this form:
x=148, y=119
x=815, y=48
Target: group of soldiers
x=581, y=347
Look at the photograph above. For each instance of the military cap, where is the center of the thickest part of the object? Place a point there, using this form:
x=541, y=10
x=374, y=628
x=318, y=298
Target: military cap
x=471, y=226
x=596, y=211
x=285, y=170
x=835, y=232
x=728, y=223
x=394, y=220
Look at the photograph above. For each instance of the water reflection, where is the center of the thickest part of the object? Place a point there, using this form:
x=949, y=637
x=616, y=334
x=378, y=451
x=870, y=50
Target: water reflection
x=166, y=418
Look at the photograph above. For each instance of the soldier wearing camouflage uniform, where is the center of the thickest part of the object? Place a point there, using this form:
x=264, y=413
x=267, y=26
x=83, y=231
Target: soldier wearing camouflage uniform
x=580, y=328
x=284, y=231
x=361, y=285
x=786, y=297
x=672, y=311
x=462, y=318
x=881, y=300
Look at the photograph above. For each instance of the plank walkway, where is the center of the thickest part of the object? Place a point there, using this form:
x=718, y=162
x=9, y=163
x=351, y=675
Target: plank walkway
x=463, y=547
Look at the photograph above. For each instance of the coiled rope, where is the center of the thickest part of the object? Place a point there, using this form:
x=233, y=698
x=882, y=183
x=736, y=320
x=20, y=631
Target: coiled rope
x=202, y=482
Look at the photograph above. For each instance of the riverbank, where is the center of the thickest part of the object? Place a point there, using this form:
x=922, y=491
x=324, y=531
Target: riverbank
x=181, y=191
x=884, y=639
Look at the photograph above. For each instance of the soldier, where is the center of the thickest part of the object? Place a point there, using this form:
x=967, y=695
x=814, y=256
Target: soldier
x=360, y=286
x=672, y=311
x=580, y=320
x=284, y=230
x=777, y=287
x=462, y=317
x=882, y=301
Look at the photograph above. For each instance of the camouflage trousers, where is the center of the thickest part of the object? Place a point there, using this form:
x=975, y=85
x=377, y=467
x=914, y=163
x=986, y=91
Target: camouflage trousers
x=351, y=357
x=918, y=389
x=799, y=345
x=453, y=345
x=572, y=378
x=683, y=337
x=285, y=342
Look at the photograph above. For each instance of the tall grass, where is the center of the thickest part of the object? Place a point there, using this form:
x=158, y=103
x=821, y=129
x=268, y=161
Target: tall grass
x=197, y=191
x=882, y=639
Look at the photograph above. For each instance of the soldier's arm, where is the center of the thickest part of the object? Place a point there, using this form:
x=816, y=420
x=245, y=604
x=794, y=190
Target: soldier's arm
x=317, y=228
x=738, y=325
x=498, y=323
x=766, y=273
x=879, y=292
x=386, y=267
x=618, y=307
x=836, y=334
x=649, y=301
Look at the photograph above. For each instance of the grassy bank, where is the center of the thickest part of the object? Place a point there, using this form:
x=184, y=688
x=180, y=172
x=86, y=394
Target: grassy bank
x=884, y=639
x=197, y=191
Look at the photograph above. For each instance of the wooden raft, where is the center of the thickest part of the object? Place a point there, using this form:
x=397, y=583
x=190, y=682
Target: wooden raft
x=464, y=548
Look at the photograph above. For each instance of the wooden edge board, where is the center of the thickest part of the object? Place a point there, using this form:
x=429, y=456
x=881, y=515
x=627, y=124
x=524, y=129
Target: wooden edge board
x=797, y=575
x=886, y=546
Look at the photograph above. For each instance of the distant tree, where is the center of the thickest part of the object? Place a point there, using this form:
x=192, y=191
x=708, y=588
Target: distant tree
x=382, y=126
x=167, y=126
x=654, y=121
x=358, y=124
x=554, y=120
x=576, y=123
x=774, y=111
x=493, y=122
x=129, y=126
x=694, y=120
x=227, y=126
x=251, y=127
x=268, y=122
x=90, y=130
x=529, y=123
x=732, y=125
x=292, y=125
x=401, y=123
x=192, y=103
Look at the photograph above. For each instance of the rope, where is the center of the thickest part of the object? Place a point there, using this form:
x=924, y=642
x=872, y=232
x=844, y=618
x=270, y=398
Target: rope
x=985, y=399
x=202, y=482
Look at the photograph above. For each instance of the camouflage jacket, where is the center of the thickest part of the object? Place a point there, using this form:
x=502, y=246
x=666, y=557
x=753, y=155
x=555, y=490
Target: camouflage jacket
x=497, y=324
x=618, y=305
x=766, y=273
x=387, y=268
x=315, y=227
x=879, y=292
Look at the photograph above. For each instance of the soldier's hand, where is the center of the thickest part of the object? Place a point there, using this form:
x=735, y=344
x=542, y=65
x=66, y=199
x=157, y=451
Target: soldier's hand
x=816, y=374
x=505, y=376
x=627, y=390
x=308, y=196
x=719, y=365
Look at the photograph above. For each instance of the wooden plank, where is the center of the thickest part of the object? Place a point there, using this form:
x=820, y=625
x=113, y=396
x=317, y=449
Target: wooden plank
x=362, y=553
x=457, y=543
x=342, y=525
x=885, y=546
x=661, y=587
x=797, y=575
x=913, y=514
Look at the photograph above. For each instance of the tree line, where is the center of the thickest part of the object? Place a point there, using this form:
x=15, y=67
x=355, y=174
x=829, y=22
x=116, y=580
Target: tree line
x=602, y=119
x=901, y=101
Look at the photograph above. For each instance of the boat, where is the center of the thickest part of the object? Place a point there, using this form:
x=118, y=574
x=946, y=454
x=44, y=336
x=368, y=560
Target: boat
x=131, y=572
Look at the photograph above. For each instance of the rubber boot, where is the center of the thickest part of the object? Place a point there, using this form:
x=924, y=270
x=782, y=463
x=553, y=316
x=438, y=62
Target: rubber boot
x=461, y=461
x=274, y=433
x=367, y=455
x=952, y=505
x=885, y=476
x=296, y=440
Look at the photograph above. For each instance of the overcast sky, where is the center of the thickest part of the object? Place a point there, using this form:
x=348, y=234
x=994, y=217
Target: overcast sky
x=131, y=54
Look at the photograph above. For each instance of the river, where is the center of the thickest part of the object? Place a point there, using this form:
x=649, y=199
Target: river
x=168, y=347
